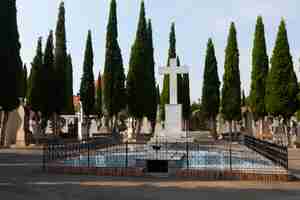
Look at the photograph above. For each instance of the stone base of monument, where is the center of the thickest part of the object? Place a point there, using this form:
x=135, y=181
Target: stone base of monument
x=172, y=131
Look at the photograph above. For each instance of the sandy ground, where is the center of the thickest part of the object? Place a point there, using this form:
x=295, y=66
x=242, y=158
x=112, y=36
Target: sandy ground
x=21, y=177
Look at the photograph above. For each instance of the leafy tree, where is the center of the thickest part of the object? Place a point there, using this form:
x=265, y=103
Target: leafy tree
x=87, y=86
x=114, y=77
x=282, y=87
x=11, y=63
x=260, y=68
x=211, y=87
x=231, y=91
x=165, y=96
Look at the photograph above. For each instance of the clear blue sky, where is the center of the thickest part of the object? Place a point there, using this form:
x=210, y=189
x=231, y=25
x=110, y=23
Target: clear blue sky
x=195, y=20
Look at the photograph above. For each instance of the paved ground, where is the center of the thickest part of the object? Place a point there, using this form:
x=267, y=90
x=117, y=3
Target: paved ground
x=21, y=178
x=294, y=162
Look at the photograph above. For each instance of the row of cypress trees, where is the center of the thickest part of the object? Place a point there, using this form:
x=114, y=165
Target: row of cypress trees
x=50, y=84
x=273, y=91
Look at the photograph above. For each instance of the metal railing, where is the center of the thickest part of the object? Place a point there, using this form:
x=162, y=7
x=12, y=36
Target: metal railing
x=276, y=153
x=186, y=155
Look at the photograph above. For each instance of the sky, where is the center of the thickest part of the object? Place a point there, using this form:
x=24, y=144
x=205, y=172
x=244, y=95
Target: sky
x=195, y=20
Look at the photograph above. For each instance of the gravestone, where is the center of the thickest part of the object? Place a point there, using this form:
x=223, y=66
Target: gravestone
x=146, y=126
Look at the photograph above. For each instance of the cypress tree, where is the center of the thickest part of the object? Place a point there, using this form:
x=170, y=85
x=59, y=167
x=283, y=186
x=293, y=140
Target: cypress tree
x=165, y=96
x=48, y=79
x=35, y=98
x=150, y=82
x=87, y=86
x=137, y=74
x=11, y=63
x=60, y=62
x=180, y=92
x=260, y=68
x=69, y=84
x=281, y=89
x=231, y=91
x=243, y=99
x=98, y=103
x=113, y=77
x=186, y=101
x=211, y=86
x=25, y=81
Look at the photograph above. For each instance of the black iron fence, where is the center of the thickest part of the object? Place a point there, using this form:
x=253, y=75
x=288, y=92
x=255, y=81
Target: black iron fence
x=276, y=153
x=186, y=155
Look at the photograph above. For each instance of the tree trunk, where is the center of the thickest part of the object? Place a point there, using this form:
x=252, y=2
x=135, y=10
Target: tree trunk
x=3, y=129
x=213, y=127
x=230, y=129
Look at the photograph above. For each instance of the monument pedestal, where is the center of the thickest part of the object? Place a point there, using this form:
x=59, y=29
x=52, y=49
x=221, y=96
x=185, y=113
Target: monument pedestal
x=172, y=131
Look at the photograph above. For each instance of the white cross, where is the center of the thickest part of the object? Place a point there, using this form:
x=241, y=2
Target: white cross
x=173, y=70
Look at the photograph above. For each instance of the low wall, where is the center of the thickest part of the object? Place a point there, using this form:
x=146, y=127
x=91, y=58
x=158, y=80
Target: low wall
x=128, y=172
x=180, y=173
x=232, y=175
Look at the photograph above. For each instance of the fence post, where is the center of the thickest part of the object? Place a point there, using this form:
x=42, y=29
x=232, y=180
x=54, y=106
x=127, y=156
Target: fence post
x=126, y=157
x=44, y=158
x=88, y=148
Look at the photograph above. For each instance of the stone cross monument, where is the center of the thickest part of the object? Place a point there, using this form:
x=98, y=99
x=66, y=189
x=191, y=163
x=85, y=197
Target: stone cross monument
x=173, y=120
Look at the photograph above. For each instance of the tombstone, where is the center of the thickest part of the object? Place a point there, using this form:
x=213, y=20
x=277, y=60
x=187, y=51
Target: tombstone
x=173, y=122
x=80, y=121
x=104, y=126
x=129, y=131
x=146, y=126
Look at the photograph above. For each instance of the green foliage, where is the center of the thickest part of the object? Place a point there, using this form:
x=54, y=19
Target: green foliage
x=186, y=101
x=180, y=88
x=137, y=74
x=60, y=62
x=231, y=91
x=98, y=103
x=48, y=79
x=114, y=77
x=282, y=87
x=211, y=83
x=69, y=109
x=150, y=82
x=260, y=68
x=11, y=63
x=35, y=97
x=165, y=96
x=87, y=86
x=243, y=99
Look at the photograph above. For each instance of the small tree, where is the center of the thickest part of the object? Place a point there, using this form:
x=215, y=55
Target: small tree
x=87, y=86
x=211, y=87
